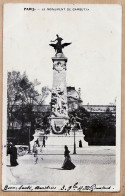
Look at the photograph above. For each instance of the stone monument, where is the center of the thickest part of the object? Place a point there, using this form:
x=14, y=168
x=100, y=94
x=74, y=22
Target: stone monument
x=59, y=106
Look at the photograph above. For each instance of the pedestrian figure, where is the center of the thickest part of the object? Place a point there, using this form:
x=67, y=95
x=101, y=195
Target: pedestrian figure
x=41, y=150
x=9, y=146
x=68, y=128
x=80, y=144
x=34, y=147
x=65, y=129
x=44, y=142
x=13, y=155
x=36, y=155
x=37, y=142
x=68, y=165
x=35, y=151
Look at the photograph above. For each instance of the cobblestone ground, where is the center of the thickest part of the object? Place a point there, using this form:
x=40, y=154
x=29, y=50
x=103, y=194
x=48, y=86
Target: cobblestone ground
x=90, y=169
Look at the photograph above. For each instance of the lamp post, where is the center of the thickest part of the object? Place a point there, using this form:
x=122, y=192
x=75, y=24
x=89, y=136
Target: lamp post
x=74, y=142
x=29, y=125
x=73, y=121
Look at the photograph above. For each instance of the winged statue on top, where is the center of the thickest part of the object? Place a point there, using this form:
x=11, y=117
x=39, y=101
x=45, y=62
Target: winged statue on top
x=58, y=46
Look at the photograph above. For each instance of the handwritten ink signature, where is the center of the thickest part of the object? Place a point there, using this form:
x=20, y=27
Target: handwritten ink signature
x=75, y=187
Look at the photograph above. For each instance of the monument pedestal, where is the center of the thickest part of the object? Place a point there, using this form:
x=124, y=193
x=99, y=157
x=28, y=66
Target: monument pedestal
x=56, y=142
x=59, y=107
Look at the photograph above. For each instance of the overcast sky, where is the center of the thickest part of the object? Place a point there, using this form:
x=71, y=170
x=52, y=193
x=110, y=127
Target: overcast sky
x=94, y=57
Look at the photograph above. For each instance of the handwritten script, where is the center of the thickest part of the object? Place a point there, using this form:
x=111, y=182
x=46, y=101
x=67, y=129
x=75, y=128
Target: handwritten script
x=75, y=187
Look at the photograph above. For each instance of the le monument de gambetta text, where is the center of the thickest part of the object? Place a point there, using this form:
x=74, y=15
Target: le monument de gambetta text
x=56, y=9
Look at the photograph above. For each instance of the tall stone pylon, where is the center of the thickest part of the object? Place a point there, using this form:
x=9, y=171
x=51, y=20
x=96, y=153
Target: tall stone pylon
x=59, y=106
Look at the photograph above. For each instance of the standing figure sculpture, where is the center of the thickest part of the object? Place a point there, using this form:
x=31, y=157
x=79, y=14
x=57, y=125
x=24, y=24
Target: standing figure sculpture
x=58, y=46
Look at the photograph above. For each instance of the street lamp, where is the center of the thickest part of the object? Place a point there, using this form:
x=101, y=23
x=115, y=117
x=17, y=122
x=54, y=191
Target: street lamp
x=29, y=125
x=73, y=120
x=74, y=142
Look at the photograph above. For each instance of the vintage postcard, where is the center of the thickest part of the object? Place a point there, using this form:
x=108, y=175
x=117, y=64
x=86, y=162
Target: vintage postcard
x=61, y=97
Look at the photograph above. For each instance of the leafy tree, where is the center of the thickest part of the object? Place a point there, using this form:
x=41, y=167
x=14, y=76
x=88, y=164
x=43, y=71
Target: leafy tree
x=98, y=128
x=101, y=129
x=20, y=91
x=21, y=96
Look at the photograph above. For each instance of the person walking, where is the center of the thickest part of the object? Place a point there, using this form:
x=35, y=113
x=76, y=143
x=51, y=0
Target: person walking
x=37, y=142
x=34, y=146
x=13, y=155
x=35, y=151
x=44, y=141
x=65, y=130
x=36, y=155
x=41, y=150
x=80, y=144
x=67, y=165
x=69, y=128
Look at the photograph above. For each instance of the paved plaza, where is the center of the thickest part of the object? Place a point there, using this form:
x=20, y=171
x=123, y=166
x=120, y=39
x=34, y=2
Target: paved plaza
x=94, y=165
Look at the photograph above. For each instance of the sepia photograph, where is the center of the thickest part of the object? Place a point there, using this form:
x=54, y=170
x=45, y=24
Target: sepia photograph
x=61, y=97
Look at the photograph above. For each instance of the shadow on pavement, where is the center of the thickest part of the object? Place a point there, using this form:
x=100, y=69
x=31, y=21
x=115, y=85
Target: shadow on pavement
x=54, y=168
